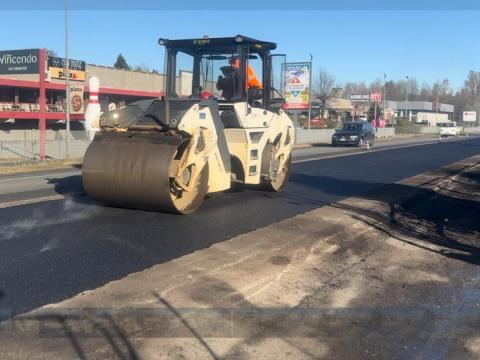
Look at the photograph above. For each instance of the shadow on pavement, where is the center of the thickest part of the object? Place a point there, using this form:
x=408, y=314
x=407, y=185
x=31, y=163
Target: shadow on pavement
x=423, y=217
x=322, y=145
x=67, y=185
x=82, y=328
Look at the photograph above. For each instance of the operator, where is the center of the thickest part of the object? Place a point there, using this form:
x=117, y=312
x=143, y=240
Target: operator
x=252, y=81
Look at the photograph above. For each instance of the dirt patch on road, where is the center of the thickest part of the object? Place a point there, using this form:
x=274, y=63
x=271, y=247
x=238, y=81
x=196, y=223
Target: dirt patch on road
x=391, y=274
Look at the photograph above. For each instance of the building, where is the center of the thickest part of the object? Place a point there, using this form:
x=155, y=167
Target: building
x=33, y=88
x=421, y=112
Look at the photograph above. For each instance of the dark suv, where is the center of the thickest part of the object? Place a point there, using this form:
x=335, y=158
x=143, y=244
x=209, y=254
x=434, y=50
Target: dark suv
x=354, y=133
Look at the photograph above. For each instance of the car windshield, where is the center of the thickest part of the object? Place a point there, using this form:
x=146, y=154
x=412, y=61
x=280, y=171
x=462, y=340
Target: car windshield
x=351, y=127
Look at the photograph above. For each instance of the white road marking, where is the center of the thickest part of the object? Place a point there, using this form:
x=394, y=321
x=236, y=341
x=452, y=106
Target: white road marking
x=31, y=201
x=386, y=148
x=40, y=176
x=38, y=200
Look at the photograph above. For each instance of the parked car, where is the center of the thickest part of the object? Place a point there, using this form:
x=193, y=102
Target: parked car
x=354, y=133
x=448, y=128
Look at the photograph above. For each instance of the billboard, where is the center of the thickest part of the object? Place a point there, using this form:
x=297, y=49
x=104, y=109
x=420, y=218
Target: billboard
x=359, y=97
x=376, y=96
x=469, y=116
x=58, y=68
x=76, y=99
x=297, y=86
x=19, y=61
x=371, y=97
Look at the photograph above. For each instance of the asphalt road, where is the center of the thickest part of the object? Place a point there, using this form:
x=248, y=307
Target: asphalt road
x=48, y=184
x=53, y=250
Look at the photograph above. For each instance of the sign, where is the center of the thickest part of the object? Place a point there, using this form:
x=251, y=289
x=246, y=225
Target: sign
x=19, y=61
x=297, y=86
x=376, y=97
x=58, y=68
x=373, y=97
x=469, y=116
x=76, y=99
x=359, y=97
x=435, y=104
x=388, y=114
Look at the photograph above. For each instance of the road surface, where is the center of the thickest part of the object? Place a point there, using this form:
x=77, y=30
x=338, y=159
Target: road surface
x=59, y=247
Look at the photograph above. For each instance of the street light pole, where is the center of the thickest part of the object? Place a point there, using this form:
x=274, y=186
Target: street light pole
x=384, y=93
x=67, y=84
x=310, y=92
x=406, y=97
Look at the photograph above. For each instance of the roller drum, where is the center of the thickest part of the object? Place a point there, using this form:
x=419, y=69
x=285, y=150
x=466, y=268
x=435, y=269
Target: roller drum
x=131, y=170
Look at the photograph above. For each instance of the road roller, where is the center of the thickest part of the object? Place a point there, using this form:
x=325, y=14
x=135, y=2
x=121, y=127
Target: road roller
x=220, y=123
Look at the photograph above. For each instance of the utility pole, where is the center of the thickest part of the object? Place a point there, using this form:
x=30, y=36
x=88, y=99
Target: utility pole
x=310, y=92
x=67, y=84
x=384, y=93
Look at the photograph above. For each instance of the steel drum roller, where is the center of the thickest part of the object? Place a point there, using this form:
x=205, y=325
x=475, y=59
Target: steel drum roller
x=132, y=170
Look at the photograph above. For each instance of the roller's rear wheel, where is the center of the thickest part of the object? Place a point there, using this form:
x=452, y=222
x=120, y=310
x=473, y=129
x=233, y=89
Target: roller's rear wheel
x=187, y=202
x=280, y=180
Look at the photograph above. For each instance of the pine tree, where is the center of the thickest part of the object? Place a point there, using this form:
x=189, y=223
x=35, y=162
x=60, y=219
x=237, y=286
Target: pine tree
x=371, y=112
x=121, y=63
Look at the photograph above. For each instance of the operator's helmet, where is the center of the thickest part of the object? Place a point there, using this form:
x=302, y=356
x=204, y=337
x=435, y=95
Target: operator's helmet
x=234, y=60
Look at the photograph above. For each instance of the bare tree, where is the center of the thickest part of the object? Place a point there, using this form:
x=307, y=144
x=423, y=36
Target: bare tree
x=412, y=84
x=356, y=88
x=323, y=86
x=376, y=86
x=425, y=92
x=472, y=85
x=142, y=67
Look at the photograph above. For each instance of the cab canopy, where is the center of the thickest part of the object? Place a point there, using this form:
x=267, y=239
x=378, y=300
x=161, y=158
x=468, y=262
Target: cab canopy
x=218, y=66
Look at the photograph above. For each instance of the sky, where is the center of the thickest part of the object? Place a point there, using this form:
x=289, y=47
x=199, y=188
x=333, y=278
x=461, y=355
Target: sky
x=353, y=45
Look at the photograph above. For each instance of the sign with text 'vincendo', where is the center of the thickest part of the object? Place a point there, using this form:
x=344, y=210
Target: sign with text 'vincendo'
x=297, y=86
x=19, y=61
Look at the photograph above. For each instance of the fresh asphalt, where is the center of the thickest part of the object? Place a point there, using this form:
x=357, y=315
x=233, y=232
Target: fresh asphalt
x=48, y=184
x=53, y=250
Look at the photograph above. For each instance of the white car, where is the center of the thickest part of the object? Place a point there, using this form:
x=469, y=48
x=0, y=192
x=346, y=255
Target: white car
x=448, y=128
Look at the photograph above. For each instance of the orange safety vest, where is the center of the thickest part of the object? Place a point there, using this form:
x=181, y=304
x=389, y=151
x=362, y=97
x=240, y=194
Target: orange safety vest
x=252, y=81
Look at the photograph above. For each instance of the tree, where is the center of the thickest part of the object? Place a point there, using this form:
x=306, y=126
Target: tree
x=355, y=88
x=121, y=63
x=142, y=68
x=472, y=85
x=51, y=53
x=371, y=111
x=323, y=87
